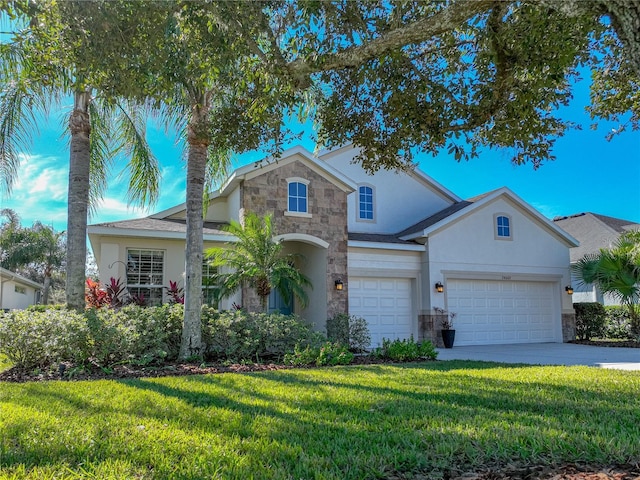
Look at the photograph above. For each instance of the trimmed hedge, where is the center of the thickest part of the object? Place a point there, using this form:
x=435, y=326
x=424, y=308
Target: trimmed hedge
x=590, y=320
x=138, y=335
x=617, y=324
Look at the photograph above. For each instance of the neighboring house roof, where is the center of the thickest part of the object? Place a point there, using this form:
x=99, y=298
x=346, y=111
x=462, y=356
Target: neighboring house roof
x=151, y=227
x=8, y=275
x=594, y=231
x=457, y=211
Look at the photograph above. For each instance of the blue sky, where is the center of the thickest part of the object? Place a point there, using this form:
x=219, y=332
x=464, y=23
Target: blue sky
x=589, y=174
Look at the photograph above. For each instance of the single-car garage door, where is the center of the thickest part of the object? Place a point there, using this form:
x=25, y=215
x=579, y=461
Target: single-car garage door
x=494, y=312
x=386, y=305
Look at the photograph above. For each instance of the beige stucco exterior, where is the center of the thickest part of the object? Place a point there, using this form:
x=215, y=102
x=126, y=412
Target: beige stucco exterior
x=421, y=234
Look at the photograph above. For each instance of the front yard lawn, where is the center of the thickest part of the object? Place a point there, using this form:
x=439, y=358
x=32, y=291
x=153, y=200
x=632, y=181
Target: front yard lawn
x=356, y=422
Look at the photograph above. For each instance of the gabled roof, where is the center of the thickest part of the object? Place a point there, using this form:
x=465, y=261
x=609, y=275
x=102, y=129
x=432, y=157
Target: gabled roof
x=271, y=163
x=8, y=274
x=593, y=231
x=617, y=224
x=416, y=173
x=457, y=211
x=433, y=219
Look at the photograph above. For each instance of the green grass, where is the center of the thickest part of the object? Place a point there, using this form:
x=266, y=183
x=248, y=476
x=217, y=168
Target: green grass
x=332, y=423
x=4, y=363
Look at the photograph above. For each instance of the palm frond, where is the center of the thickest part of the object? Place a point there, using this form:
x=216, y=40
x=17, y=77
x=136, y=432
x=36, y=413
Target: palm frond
x=19, y=106
x=100, y=159
x=218, y=165
x=143, y=166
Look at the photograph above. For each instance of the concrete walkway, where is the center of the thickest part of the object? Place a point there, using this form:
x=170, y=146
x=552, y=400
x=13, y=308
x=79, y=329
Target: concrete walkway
x=548, y=354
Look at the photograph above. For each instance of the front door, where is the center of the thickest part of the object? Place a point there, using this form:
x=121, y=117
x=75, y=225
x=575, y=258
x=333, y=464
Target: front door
x=278, y=305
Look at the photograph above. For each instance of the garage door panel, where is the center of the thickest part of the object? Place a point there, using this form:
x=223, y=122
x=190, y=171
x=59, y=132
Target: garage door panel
x=385, y=303
x=494, y=312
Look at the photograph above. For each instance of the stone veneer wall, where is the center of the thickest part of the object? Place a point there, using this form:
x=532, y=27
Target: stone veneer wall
x=568, y=327
x=429, y=328
x=327, y=204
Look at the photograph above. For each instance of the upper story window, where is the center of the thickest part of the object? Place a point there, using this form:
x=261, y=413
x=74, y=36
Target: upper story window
x=503, y=227
x=298, y=197
x=365, y=202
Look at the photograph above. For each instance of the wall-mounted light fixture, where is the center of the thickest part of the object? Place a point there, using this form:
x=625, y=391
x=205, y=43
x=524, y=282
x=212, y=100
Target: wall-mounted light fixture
x=339, y=284
x=568, y=289
x=439, y=287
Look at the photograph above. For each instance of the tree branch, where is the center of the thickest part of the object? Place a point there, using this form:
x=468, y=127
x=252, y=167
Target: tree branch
x=441, y=22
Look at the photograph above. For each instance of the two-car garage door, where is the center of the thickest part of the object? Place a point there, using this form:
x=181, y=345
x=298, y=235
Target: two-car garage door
x=500, y=312
x=488, y=311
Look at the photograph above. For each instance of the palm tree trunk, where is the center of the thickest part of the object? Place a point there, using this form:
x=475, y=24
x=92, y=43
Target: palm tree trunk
x=79, y=160
x=47, y=287
x=198, y=139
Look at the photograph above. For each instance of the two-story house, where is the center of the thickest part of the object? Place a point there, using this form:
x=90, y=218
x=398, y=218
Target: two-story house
x=388, y=247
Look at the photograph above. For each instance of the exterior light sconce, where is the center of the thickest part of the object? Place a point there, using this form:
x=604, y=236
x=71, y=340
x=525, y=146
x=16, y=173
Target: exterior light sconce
x=568, y=289
x=439, y=287
x=339, y=284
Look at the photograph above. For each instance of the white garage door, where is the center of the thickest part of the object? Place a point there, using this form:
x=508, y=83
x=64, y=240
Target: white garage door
x=386, y=305
x=494, y=312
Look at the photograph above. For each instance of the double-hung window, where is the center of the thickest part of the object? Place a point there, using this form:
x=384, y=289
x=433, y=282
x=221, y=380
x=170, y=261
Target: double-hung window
x=145, y=274
x=209, y=285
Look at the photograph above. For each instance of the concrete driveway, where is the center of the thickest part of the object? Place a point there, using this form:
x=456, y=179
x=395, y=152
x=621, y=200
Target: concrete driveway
x=548, y=354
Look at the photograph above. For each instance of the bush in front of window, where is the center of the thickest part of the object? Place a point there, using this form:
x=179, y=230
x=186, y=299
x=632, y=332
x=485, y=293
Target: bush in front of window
x=239, y=335
x=590, y=320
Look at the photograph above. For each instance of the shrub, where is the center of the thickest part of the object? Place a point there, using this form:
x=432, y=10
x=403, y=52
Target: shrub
x=43, y=308
x=240, y=335
x=302, y=356
x=110, y=337
x=349, y=330
x=334, y=354
x=328, y=353
x=617, y=323
x=31, y=339
x=590, y=320
x=155, y=332
x=405, y=350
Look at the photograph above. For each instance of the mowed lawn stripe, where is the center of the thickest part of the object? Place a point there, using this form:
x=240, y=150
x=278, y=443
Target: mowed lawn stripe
x=335, y=423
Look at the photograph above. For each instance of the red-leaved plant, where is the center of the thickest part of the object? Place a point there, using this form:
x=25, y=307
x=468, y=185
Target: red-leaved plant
x=176, y=295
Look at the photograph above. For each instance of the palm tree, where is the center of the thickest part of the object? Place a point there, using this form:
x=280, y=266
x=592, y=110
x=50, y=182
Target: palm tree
x=39, y=247
x=616, y=271
x=37, y=70
x=257, y=260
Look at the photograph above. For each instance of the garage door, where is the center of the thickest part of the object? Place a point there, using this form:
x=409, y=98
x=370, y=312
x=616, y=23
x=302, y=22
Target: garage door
x=494, y=312
x=386, y=305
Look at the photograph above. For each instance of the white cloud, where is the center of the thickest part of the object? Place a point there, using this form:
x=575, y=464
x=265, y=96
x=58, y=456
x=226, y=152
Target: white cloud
x=110, y=208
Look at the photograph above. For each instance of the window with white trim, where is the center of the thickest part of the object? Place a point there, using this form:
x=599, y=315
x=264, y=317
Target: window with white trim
x=365, y=202
x=20, y=290
x=145, y=274
x=503, y=227
x=209, y=285
x=298, y=196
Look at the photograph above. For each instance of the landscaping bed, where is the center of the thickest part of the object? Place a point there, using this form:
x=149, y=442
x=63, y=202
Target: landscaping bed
x=609, y=343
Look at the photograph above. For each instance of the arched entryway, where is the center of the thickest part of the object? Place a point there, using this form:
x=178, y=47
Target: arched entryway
x=312, y=262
